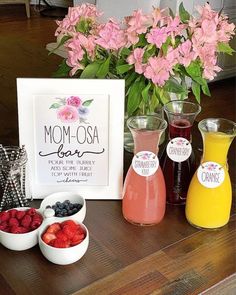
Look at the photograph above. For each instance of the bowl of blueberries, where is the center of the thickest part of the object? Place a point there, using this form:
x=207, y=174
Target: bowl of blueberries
x=64, y=205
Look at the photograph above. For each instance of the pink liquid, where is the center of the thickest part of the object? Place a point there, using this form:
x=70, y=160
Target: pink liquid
x=144, y=198
x=178, y=175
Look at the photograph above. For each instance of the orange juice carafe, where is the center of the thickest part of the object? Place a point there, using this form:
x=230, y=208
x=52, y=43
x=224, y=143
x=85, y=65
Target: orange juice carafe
x=209, y=195
x=144, y=193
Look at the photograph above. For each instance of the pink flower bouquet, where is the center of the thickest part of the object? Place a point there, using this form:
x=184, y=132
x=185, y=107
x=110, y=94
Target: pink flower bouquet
x=155, y=53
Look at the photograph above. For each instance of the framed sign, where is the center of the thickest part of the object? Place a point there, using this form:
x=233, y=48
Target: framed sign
x=72, y=130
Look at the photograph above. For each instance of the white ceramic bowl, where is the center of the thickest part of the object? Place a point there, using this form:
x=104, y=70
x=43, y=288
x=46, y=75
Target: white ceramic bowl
x=20, y=242
x=62, y=196
x=62, y=256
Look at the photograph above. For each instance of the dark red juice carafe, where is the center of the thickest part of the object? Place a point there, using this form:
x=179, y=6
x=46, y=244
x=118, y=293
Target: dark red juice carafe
x=178, y=173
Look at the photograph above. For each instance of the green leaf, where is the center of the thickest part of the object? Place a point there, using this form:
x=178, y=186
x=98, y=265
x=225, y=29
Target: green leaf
x=194, y=69
x=123, y=68
x=154, y=102
x=90, y=71
x=225, y=48
x=63, y=40
x=103, y=69
x=145, y=93
x=184, y=15
x=87, y=103
x=125, y=51
x=55, y=105
x=172, y=85
x=196, y=91
x=165, y=45
x=142, y=41
x=171, y=13
x=205, y=88
x=134, y=97
x=130, y=79
x=62, y=71
x=83, y=26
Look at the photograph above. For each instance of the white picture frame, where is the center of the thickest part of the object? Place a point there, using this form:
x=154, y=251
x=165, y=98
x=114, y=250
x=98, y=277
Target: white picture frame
x=89, y=145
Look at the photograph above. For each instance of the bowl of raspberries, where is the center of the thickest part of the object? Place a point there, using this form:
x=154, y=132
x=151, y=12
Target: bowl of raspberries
x=63, y=242
x=19, y=228
x=64, y=205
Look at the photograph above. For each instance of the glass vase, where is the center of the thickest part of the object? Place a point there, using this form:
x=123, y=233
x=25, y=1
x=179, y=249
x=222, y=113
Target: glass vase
x=178, y=160
x=144, y=192
x=210, y=194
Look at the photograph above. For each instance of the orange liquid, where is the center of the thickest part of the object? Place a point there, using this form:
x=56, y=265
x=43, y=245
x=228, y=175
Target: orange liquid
x=144, y=199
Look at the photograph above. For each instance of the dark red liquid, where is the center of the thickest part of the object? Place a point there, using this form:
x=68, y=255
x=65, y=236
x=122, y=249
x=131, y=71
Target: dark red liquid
x=178, y=175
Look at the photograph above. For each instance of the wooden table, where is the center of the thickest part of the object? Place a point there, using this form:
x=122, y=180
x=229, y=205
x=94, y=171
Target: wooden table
x=170, y=258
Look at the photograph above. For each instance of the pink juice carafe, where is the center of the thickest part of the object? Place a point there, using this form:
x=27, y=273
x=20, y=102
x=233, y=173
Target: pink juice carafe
x=144, y=192
x=178, y=161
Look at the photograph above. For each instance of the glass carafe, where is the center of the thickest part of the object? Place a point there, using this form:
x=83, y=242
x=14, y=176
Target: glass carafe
x=178, y=161
x=210, y=194
x=144, y=193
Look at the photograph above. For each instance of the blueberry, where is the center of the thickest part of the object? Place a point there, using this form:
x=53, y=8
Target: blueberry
x=58, y=203
x=48, y=206
x=53, y=207
x=75, y=210
x=70, y=212
x=59, y=215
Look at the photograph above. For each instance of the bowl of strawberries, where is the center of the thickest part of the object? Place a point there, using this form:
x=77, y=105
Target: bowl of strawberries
x=19, y=228
x=63, y=242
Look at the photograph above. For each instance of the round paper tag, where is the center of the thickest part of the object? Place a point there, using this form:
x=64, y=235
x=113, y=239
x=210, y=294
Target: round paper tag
x=179, y=149
x=145, y=163
x=211, y=174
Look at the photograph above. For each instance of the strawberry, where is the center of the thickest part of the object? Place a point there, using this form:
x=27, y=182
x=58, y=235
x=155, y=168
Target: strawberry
x=31, y=211
x=48, y=237
x=13, y=212
x=20, y=214
x=25, y=222
x=69, y=231
x=71, y=223
x=62, y=236
x=4, y=216
x=13, y=221
x=54, y=228
x=77, y=238
x=58, y=243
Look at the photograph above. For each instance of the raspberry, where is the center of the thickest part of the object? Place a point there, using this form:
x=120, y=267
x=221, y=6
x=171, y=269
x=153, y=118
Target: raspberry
x=13, y=221
x=35, y=224
x=15, y=229
x=13, y=212
x=4, y=216
x=31, y=212
x=62, y=236
x=20, y=214
x=25, y=222
x=38, y=217
x=3, y=225
x=58, y=243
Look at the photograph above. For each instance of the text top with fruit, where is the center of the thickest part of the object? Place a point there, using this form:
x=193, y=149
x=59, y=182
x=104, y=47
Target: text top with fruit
x=155, y=53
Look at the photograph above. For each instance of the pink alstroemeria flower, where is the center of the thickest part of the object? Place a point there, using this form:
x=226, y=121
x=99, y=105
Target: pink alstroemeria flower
x=157, y=36
x=136, y=58
x=158, y=70
x=111, y=36
x=187, y=55
x=67, y=114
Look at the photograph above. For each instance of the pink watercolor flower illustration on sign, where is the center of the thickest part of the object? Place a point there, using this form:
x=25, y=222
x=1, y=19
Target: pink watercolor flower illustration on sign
x=211, y=167
x=145, y=156
x=72, y=109
x=180, y=142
